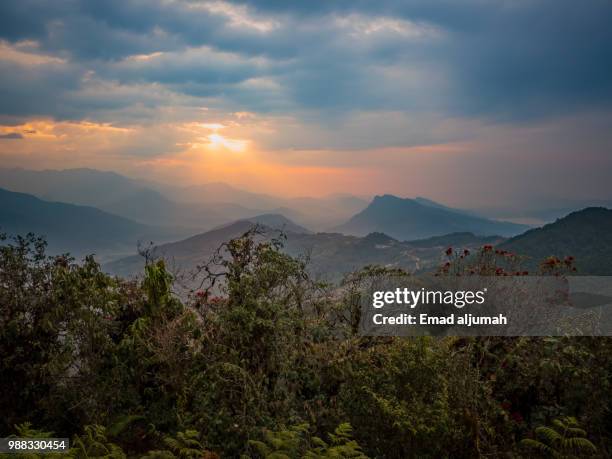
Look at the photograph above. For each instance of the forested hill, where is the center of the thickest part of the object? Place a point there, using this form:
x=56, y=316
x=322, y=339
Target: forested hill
x=586, y=235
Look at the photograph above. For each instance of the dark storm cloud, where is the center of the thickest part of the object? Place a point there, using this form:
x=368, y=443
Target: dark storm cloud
x=115, y=29
x=11, y=136
x=536, y=58
x=31, y=91
x=515, y=59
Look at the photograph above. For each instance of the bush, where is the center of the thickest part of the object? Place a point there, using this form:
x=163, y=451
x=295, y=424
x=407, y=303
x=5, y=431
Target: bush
x=127, y=369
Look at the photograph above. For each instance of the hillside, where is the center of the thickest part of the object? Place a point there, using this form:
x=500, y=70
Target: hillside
x=279, y=222
x=585, y=235
x=406, y=219
x=329, y=255
x=70, y=228
x=184, y=254
x=457, y=240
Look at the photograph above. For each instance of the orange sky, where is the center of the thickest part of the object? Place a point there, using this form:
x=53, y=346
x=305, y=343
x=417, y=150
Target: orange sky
x=233, y=150
x=311, y=100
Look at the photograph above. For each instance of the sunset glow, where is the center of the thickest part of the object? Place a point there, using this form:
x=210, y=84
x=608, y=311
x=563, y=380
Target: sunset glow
x=218, y=141
x=350, y=100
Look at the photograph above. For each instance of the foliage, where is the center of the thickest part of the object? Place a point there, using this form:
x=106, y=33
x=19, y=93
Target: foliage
x=185, y=444
x=93, y=443
x=296, y=442
x=128, y=369
x=564, y=439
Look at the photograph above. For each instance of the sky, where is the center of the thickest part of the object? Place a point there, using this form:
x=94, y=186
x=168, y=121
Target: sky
x=471, y=102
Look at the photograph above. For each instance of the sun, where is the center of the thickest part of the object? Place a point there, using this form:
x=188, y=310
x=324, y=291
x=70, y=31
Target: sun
x=218, y=141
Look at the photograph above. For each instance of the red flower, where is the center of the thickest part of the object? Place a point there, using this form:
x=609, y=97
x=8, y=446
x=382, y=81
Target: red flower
x=487, y=248
x=215, y=300
x=449, y=251
x=466, y=252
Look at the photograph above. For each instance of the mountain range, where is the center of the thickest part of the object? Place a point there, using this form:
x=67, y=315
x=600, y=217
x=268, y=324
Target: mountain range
x=329, y=255
x=192, y=208
x=419, y=218
x=86, y=211
x=79, y=230
x=586, y=235
x=120, y=195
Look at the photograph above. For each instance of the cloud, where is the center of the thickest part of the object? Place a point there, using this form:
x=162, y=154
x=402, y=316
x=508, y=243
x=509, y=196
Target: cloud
x=323, y=64
x=11, y=135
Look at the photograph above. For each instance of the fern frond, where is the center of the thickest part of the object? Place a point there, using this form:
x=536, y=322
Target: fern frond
x=581, y=444
x=538, y=446
x=122, y=424
x=549, y=435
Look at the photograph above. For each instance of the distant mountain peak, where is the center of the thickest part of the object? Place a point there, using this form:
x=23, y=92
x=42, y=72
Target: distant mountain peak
x=388, y=198
x=270, y=221
x=378, y=238
x=405, y=219
x=277, y=221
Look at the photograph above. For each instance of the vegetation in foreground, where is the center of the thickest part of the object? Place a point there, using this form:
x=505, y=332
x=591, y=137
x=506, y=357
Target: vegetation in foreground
x=273, y=367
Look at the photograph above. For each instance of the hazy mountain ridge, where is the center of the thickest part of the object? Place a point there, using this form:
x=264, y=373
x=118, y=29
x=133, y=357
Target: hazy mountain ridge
x=320, y=213
x=218, y=192
x=72, y=228
x=585, y=235
x=76, y=186
x=373, y=235
x=120, y=195
x=276, y=222
x=199, y=207
x=407, y=219
x=329, y=255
